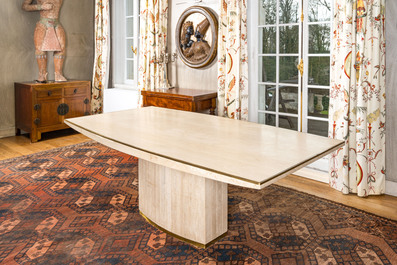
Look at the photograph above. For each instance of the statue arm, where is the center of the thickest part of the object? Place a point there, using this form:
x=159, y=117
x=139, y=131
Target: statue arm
x=28, y=6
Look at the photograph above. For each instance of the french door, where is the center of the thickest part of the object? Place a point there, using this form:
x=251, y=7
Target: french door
x=292, y=63
x=290, y=75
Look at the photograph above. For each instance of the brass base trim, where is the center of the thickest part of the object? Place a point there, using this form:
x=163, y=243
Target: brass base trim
x=191, y=242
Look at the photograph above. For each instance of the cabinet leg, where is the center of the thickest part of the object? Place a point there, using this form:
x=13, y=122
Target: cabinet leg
x=17, y=131
x=213, y=106
x=35, y=136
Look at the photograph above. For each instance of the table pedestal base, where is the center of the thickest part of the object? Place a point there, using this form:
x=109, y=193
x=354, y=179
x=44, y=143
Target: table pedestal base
x=190, y=207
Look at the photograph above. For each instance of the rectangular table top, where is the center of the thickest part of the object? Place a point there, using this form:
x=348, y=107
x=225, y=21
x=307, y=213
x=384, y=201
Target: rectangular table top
x=238, y=152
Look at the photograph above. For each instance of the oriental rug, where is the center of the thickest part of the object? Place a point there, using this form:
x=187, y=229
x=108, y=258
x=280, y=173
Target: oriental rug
x=79, y=205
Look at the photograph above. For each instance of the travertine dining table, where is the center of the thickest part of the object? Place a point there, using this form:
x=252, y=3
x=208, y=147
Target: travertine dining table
x=187, y=159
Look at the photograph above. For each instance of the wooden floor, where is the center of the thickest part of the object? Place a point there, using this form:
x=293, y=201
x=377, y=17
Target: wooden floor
x=382, y=205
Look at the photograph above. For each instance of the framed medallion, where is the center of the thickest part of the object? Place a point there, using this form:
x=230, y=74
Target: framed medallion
x=196, y=36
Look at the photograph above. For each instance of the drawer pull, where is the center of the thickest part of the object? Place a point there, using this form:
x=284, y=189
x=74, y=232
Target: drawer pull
x=63, y=109
x=37, y=107
x=75, y=91
x=86, y=101
x=49, y=93
x=36, y=121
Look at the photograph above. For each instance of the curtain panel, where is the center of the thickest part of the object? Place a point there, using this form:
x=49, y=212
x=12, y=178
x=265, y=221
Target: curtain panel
x=357, y=97
x=101, y=58
x=233, y=60
x=153, y=43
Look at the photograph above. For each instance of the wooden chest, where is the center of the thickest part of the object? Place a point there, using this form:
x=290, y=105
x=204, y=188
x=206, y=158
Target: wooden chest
x=43, y=107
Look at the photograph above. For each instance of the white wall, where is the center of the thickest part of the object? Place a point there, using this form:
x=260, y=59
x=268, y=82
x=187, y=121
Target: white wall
x=119, y=99
x=181, y=75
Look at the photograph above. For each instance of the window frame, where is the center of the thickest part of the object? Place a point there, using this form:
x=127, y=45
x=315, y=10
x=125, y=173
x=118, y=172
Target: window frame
x=119, y=44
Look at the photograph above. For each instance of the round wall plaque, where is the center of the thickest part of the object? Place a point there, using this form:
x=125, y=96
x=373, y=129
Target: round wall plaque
x=197, y=36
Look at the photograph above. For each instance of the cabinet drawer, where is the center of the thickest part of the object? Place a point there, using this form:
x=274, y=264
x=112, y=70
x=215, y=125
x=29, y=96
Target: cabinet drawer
x=178, y=104
x=70, y=91
x=50, y=93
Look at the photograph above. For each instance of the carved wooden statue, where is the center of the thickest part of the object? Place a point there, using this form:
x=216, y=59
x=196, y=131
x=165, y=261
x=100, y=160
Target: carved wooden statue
x=49, y=35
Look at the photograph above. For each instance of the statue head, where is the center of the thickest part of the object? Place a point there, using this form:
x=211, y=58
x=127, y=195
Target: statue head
x=187, y=31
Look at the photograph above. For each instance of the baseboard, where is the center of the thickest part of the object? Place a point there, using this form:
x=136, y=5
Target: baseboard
x=391, y=188
x=312, y=174
x=7, y=132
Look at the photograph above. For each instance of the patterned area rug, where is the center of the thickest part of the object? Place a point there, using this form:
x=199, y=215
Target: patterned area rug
x=79, y=205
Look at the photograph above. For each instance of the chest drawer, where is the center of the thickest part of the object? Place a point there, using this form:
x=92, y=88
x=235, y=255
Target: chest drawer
x=80, y=90
x=49, y=93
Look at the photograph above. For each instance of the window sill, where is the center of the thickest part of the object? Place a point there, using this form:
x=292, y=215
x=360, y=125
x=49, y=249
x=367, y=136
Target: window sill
x=125, y=86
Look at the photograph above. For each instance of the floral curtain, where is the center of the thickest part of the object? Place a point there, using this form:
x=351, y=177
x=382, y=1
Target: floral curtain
x=233, y=60
x=101, y=60
x=153, y=32
x=357, y=97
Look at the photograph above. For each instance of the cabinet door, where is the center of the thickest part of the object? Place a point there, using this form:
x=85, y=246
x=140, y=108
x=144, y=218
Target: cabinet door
x=78, y=106
x=46, y=113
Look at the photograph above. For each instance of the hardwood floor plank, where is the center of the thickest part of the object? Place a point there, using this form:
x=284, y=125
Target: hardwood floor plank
x=382, y=205
x=20, y=145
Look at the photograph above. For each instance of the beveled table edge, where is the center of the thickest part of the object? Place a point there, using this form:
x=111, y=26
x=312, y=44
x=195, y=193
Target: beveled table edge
x=219, y=176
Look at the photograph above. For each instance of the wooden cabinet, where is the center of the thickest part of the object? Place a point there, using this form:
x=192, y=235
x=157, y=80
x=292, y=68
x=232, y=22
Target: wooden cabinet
x=43, y=107
x=181, y=99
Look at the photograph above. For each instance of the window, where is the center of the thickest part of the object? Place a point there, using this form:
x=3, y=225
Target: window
x=291, y=34
x=125, y=42
x=286, y=35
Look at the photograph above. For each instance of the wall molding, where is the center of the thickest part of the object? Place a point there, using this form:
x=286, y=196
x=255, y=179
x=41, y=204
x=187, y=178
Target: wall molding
x=313, y=174
x=391, y=188
x=7, y=132
x=321, y=176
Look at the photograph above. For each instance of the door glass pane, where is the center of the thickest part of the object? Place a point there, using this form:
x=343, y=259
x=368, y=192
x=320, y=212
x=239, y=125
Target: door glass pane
x=267, y=40
x=288, y=100
x=130, y=7
x=267, y=97
x=319, y=38
x=289, y=39
x=267, y=12
x=288, y=122
x=267, y=72
x=317, y=127
x=319, y=10
x=289, y=11
x=288, y=71
x=318, y=102
x=130, y=27
x=130, y=69
x=319, y=70
x=268, y=119
x=129, y=52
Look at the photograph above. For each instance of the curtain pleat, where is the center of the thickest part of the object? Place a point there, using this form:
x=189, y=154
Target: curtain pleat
x=233, y=60
x=357, y=97
x=153, y=43
x=101, y=57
